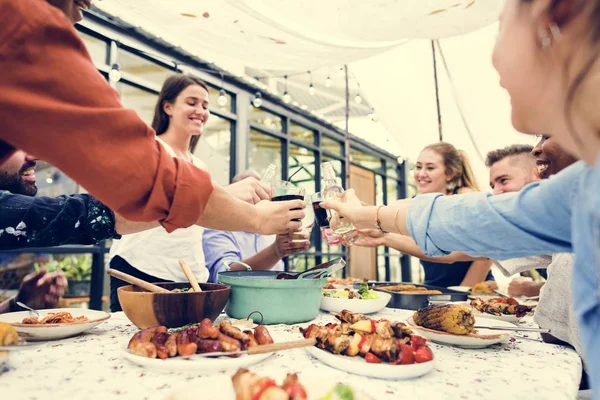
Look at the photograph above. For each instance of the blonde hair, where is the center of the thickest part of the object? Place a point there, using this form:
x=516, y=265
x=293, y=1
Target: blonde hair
x=457, y=165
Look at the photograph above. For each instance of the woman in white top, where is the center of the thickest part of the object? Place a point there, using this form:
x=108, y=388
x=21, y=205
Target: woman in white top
x=179, y=117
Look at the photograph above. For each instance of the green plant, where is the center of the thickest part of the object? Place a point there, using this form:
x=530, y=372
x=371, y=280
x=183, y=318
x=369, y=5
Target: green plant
x=75, y=267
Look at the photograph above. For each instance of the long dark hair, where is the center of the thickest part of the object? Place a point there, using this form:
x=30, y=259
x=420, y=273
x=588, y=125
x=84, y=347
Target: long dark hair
x=174, y=85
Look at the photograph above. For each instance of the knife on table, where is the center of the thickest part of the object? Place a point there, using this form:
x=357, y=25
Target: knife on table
x=262, y=349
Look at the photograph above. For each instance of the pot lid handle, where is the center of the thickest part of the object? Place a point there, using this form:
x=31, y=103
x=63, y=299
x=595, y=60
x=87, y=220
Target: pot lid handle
x=228, y=263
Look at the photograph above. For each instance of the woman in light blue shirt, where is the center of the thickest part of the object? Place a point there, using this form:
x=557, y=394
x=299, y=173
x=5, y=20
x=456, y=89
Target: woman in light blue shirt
x=547, y=58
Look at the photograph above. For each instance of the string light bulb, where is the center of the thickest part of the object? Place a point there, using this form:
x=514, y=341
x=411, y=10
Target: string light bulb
x=287, y=98
x=328, y=82
x=222, y=100
x=357, y=98
x=115, y=73
x=257, y=101
x=311, y=90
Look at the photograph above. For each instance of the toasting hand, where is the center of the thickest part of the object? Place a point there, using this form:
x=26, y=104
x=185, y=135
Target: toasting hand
x=291, y=243
x=250, y=190
x=277, y=217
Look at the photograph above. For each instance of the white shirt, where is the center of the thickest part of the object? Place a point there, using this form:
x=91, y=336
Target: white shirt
x=157, y=252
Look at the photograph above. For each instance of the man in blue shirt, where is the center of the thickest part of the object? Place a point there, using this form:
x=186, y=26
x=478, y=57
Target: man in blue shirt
x=260, y=252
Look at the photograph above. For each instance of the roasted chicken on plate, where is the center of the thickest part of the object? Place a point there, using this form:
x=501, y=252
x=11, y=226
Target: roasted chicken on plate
x=204, y=338
x=501, y=306
x=250, y=386
x=375, y=340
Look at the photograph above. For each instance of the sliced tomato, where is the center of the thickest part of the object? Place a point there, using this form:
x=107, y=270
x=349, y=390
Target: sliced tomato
x=362, y=342
x=417, y=341
x=296, y=391
x=373, y=326
x=372, y=358
x=262, y=388
x=406, y=355
x=423, y=354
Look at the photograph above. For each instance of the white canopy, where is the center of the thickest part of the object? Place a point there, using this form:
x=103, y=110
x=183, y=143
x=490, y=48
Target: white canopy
x=395, y=76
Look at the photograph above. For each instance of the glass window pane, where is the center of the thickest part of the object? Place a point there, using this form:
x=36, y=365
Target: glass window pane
x=214, y=148
x=213, y=95
x=301, y=262
x=379, y=190
x=366, y=160
x=96, y=47
x=392, y=190
x=302, y=134
x=264, y=118
x=411, y=187
x=304, y=160
x=391, y=169
x=142, y=68
x=263, y=150
x=332, y=146
x=141, y=101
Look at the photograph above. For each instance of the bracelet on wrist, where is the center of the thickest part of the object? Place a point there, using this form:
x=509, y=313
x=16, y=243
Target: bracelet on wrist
x=377, y=221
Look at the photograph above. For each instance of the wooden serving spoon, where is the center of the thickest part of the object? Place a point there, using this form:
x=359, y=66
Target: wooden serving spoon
x=190, y=276
x=136, y=281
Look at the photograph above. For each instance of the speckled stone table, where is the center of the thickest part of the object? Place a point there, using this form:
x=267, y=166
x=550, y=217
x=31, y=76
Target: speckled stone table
x=91, y=366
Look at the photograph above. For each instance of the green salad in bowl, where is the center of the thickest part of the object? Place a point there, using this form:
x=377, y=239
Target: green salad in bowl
x=363, y=293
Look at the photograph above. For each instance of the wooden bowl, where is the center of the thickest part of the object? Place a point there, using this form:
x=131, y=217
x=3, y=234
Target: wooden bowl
x=147, y=309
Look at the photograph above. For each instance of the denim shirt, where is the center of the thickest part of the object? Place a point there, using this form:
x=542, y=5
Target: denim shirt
x=561, y=214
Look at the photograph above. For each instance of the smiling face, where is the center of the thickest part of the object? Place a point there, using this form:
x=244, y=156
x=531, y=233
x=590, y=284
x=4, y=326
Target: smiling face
x=511, y=173
x=17, y=174
x=189, y=112
x=550, y=158
x=430, y=173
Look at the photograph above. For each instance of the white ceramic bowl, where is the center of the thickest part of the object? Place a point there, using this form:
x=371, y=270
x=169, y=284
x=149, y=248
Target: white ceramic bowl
x=369, y=306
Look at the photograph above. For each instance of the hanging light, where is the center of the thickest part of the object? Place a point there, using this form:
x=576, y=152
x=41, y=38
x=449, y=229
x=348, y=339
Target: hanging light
x=311, y=88
x=296, y=103
x=304, y=107
x=328, y=82
x=400, y=159
x=287, y=98
x=257, y=101
x=115, y=73
x=357, y=98
x=222, y=101
x=373, y=116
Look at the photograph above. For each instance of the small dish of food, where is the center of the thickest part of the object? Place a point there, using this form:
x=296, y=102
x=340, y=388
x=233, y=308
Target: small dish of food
x=501, y=308
x=53, y=324
x=175, y=349
x=409, y=289
x=248, y=385
x=484, y=290
x=454, y=325
x=363, y=300
x=343, y=283
x=375, y=348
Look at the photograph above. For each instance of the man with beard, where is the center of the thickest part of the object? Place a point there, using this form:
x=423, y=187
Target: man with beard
x=28, y=221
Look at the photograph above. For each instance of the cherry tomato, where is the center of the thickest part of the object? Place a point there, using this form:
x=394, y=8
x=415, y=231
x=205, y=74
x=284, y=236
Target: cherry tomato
x=372, y=358
x=406, y=355
x=423, y=354
x=373, y=326
x=417, y=341
x=296, y=391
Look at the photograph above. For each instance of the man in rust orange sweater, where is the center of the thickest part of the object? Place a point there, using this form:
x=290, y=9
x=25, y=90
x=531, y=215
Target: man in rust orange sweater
x=54, y=104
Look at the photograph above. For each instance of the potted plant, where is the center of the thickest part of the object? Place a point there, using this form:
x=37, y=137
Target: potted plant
x=77, y=269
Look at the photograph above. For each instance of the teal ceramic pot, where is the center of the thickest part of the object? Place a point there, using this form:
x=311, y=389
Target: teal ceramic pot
x=280, y=301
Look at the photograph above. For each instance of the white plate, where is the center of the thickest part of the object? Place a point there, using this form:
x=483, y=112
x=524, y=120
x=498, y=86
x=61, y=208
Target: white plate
x=506, y=318
x=196, y=364
x=54, y=331
x=357, y=365
x=317, y=385
x=333, y=304
x=483, y=337
x=464, y=289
